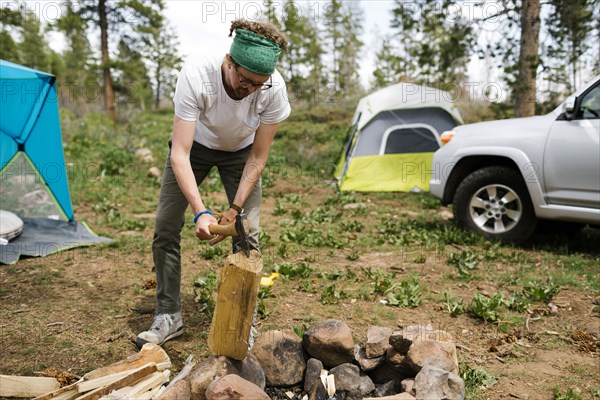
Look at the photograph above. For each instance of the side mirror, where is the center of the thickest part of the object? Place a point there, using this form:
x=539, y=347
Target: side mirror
x=569, y=106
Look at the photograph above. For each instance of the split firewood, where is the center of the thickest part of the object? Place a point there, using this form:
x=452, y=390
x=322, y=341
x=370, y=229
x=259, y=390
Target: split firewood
x=26, y=386
x=86, y=386
x=62, y=393
x=127, y=380
x=149, y=353
x=150, y=382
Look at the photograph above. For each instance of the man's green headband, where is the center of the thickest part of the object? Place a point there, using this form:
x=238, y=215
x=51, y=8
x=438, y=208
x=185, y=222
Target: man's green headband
x=255, y=53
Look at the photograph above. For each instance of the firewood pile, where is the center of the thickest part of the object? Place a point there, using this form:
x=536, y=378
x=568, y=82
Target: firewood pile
x=140, y=376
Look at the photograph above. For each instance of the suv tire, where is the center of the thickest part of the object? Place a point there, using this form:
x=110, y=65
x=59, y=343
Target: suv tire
x=494, y=201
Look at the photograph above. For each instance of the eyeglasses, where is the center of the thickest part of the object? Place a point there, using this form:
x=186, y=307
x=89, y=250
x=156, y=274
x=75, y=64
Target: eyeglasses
x=260, y=86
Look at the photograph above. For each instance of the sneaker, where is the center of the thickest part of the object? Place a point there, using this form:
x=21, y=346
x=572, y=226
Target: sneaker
x=164, y=327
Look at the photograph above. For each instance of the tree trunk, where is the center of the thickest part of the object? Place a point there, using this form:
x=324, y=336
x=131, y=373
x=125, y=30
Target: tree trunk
x=158, y=85
x=109, y=95
x=528, y=58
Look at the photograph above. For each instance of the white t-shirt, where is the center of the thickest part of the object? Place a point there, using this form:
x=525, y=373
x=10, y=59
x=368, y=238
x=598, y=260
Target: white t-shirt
x=221, y=122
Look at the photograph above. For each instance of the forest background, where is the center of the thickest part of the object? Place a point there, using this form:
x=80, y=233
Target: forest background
x=120, y=57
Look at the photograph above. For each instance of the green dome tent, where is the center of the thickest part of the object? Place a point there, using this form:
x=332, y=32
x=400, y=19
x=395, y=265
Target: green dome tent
x=393, y=136
x=33, y=175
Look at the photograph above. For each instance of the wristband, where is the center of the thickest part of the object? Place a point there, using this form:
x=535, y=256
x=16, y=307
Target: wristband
x=236, y=208
x=201, y=213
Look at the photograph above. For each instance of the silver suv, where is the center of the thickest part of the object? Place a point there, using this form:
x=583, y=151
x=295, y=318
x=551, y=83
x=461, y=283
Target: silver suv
x=503, y=176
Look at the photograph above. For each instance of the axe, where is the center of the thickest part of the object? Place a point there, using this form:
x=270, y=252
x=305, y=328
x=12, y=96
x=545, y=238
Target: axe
x=240, y=228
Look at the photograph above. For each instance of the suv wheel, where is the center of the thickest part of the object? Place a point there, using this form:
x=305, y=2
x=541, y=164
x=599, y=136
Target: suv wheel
x=494, y=202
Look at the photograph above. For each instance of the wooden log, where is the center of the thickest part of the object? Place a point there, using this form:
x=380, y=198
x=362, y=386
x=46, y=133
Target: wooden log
x=149, y=353
x=60, y=393
x=127, y=380
x=148, y=383
x=26, y=386
x=236, y=302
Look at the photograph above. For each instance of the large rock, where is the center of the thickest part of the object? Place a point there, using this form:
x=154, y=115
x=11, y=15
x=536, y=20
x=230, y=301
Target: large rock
x=215, y=367
x=208, y=370
x=312, y=374
x=329, y=341
x=281, y=357
x=433, y=382
x=387, y=389
x=446, y=342
x=234, y=387
x=378, y=340
x=249, y=369
x=398, y=363
x=429, y=351
x=178, y=391
x=401, y=340
x=349, y=379
x=366, y=364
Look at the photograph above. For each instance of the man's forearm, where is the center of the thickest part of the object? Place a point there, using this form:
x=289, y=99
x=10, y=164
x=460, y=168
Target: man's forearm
x=251, y=175
x=187, y=182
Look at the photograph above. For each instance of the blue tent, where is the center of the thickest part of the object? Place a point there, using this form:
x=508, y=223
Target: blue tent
x=29, y=126
x=33, y=175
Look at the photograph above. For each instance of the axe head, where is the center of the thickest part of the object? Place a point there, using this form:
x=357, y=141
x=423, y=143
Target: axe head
x=242, y=227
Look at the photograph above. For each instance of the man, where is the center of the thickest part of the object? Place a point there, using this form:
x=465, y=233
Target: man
x=227, y=110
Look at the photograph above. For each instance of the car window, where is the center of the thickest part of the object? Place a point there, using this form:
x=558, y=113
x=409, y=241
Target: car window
x=590, y=105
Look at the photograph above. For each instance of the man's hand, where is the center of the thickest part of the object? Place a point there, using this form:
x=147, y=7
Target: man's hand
x=202, y=224
x=228, y=217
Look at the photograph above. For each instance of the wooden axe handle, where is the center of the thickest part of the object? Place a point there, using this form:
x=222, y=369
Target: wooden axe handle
x=227, y=230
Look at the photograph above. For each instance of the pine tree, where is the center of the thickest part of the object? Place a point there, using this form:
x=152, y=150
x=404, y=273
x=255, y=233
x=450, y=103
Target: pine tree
x=570, y=25
x=132, y=82
x=350, y=47
x=118, y=21
x=10, y=21
x=430, y=44
x=387, y=65
x=333, y=36
x=160, y=50
x=79, y=67
x=271, y=12
x=33, y=48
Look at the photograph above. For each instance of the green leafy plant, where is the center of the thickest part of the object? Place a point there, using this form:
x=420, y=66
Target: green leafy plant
x=476, y=377
x=570, y=394
x=204, y=289
x=261, y=308
x=454, y=306
x=407, y=294
x=307, y=286
x=537, y=291
x=352, y=226
x=486, y=307
x=331, y=296
x=382, y=281
x=465, y=262
x=294, y=271
x=212, y=253
x=279, y=209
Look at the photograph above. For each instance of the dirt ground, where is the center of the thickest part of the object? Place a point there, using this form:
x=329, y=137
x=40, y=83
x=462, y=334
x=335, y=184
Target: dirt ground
x=81, y=309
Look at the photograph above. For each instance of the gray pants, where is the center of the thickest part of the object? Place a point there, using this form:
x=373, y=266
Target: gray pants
x=170, y=217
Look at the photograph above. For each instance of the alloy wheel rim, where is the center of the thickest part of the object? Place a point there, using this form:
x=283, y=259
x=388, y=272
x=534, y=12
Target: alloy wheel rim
x=495, y=208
